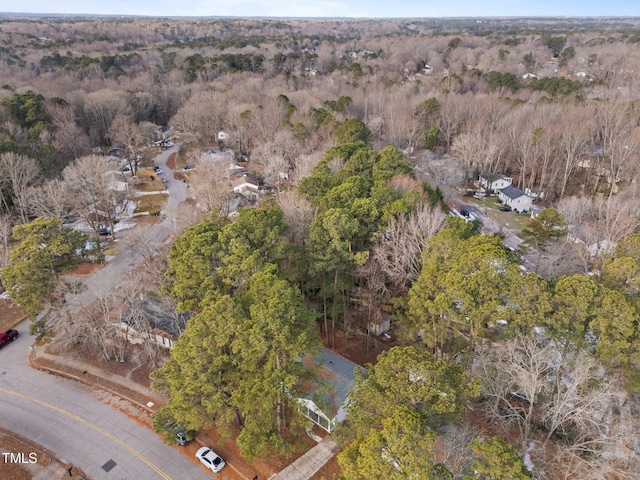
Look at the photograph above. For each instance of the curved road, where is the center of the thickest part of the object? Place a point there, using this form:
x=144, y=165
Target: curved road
x=75, y=421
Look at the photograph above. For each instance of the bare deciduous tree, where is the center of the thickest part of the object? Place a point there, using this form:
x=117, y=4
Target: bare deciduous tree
x=90, y=181
x=466, y=148
x=101, y=107
x=125, y=133
x=572, y=139
x=298, y=214
x=211, y=188
x=596, y=224
x=513, y=375
x=5, y=236
x=399, y=249
x=68, y=136
x=52, y=199
x=17, y=174
x=525, y=383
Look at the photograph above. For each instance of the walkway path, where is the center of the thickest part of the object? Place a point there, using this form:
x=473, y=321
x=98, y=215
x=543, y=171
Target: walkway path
x=309, y=463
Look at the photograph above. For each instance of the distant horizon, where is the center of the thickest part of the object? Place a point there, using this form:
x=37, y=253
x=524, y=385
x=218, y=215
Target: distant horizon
x=327, y=9
x=298, y=17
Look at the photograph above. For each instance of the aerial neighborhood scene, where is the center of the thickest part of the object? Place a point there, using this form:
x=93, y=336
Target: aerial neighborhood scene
x=321, y=241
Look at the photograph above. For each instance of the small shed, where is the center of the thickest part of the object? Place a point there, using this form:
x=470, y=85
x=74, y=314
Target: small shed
x=380, y=323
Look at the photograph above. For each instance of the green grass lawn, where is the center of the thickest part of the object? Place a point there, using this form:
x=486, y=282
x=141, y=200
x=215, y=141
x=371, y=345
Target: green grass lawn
x=487, y=202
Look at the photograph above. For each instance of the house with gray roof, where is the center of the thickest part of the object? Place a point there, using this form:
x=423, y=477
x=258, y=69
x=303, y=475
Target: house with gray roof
x=515, y=198
x=325, y=404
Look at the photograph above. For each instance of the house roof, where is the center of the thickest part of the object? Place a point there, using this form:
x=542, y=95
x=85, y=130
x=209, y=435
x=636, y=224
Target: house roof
x=512, y=192
x=249, y=181
x=492, y=177
x=338, y=371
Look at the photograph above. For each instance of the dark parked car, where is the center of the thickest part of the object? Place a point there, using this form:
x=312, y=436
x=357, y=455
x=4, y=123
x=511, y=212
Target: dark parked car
x=181, y=435
x=7, y=337
x=505, y=208
x=465, y=213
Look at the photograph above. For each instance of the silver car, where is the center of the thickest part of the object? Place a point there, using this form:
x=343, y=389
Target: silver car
x=210, y=459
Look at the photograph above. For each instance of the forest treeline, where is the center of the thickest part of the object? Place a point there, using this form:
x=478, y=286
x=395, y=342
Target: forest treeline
x=535, y=101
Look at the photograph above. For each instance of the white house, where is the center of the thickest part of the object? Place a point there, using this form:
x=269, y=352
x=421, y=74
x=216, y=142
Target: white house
x=492, y=182
x=247, y=187
x=515, y=198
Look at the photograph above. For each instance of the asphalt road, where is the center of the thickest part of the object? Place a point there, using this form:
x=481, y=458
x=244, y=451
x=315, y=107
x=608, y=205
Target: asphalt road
x=81, y=425
x=78, y=423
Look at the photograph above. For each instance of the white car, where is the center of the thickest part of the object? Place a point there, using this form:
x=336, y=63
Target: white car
x=210, y=459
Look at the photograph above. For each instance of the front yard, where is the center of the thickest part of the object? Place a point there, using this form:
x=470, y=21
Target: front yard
x=152, y=203
x=509, y=220
x=148, y=185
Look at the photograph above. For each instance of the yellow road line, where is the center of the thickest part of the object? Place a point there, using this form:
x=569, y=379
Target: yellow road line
x=88, y=424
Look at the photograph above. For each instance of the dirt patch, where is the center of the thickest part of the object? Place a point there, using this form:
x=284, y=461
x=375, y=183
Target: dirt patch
x=171, y=161
x=354, y=346
x=146, y=220
x=110, y=376
x=85, y=269
x=10, y=314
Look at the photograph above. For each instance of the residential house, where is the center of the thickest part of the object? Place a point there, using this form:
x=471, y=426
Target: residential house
x=492, y=182
x=247, y=187
x=148, y=321
x=515, y=198
x=327, y=410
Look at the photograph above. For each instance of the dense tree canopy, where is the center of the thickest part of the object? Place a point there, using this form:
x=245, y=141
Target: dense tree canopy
x=395, y=409
x=240, y=357
x=44, y=250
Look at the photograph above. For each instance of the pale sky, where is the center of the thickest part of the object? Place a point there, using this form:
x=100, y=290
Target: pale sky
x=330, y=8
